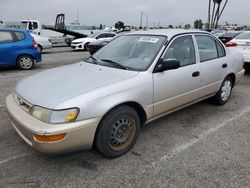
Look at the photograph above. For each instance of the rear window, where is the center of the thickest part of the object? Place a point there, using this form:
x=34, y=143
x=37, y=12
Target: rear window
x=19, y=36
x=5, y=36
x=245, y=35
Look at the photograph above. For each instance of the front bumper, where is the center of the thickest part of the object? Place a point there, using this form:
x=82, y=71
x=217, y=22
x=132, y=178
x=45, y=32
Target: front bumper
x=78, y=46
x=79, y=135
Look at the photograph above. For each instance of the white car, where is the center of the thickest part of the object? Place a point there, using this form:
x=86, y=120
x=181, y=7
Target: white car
x=242, y=43
x=136, y=78
x=42, y=42
x=81, y=43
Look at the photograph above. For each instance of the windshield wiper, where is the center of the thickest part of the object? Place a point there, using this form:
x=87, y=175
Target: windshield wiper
x=94, y=60
x=114, y=63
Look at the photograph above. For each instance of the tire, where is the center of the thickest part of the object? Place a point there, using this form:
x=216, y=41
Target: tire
x=223, y=95
x=117, y=132
x=86, y=46
x=25, y=62
x=40, y=48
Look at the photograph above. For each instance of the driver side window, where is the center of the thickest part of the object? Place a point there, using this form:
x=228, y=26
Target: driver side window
x=182, y=49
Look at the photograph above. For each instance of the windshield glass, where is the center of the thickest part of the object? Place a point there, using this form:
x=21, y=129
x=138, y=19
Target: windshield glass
x=133, y=52
x=24, y=25
x=92, y=35
x=245, y=35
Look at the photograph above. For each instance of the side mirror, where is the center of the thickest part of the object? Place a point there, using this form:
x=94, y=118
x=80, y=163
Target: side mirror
x=167, y=64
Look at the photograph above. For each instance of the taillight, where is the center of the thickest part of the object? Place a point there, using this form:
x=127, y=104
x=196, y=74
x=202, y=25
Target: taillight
x=231, y=44
x=34, y=43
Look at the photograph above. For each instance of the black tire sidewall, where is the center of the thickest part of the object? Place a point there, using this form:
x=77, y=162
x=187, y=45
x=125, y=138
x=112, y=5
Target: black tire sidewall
x=218, y=98
x=103, y=131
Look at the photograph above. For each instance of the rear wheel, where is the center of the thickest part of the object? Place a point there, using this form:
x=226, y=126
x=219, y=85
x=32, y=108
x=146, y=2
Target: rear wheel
x=223, y=95
x=117, y=132
x=25, y=62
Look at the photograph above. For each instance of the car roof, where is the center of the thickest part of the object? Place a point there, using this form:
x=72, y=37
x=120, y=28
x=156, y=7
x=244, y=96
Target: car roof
x=12, y=29
x=168, y=32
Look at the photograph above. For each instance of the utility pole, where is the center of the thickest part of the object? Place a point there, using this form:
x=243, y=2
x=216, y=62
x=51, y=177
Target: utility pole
x=147, y=21
x=141, y=20
x=78, y=22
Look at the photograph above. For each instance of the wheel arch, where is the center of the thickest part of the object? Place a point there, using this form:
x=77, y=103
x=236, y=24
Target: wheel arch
x=23, y=55
x=233, y=77
x=136, y=106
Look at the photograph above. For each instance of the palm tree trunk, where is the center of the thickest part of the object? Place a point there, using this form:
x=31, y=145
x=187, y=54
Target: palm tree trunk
x=221, y=11
x=212, y=23
x=209, y=13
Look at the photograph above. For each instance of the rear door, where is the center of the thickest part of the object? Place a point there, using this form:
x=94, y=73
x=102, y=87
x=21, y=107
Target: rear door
x=213, y=63
x=6, y=47
x=177, y=87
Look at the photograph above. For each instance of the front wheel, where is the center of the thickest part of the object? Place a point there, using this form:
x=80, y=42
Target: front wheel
x=25, y=62
x=86, y=46
x=223, y=95
x=117, y=132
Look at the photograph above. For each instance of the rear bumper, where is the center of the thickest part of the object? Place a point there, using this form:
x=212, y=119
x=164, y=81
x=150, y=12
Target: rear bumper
x=239, y=75
x=79, y=135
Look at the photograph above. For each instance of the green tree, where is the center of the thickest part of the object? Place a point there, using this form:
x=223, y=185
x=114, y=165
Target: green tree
x=119, y=25
x=170, y=27
x=198, y=24
x=187, y=26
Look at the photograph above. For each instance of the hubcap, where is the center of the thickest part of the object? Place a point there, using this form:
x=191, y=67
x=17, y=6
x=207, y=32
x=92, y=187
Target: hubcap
x=26, y=62
x=226, y=90
x=122, y=133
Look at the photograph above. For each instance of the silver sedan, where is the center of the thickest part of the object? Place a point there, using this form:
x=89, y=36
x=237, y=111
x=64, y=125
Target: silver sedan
x=136, y=78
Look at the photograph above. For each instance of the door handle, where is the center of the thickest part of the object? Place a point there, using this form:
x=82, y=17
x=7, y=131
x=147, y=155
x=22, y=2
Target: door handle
x=195, y=74
x=224, y=65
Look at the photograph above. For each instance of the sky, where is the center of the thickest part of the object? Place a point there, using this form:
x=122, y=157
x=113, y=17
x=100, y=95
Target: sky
x=108, y=12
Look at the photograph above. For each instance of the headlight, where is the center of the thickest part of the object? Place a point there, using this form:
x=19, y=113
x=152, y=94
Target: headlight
x=54, y=116
x=42, y=114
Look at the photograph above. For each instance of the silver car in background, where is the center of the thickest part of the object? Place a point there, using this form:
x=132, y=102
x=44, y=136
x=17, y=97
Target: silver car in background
x=134, y=79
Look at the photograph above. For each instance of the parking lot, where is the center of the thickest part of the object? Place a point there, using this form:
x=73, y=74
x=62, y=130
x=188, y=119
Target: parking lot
x=200, y=146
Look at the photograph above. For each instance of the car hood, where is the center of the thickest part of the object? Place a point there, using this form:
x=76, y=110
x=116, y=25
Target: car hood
x=82, y=40
x=55, y=86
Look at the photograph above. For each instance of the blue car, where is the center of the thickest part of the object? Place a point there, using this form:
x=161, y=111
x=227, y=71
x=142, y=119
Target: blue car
x=17, y=47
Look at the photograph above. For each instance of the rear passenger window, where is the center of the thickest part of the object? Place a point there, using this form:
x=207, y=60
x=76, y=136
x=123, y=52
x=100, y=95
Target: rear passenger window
x=5, y=36
x=19, y=35
x=221, y=52
x=209, y=48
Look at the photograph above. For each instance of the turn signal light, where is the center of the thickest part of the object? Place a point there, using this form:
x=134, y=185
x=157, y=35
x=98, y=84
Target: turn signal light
x=231, y=44
x=49, y=138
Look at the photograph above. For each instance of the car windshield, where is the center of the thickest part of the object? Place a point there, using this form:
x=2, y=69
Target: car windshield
x=132, y=52
x=92, y=35
x=24, y=25
x=245, y=35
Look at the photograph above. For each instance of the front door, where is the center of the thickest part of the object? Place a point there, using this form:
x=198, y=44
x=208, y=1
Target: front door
x=177, y=87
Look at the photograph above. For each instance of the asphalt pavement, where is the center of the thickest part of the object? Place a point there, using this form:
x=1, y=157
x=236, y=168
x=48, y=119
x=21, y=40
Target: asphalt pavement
x=200, y=146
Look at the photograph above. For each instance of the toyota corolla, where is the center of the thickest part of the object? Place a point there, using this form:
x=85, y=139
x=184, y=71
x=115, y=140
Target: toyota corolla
x=136, y=78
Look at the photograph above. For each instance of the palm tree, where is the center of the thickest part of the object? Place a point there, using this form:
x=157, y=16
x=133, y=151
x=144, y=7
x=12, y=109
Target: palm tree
x=209, y=14
x=216, y=12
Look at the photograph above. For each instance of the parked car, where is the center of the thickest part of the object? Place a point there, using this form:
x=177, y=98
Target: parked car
x=81, y=44
x=242, y=43
x=133, y=80
x=17, y=47
x=226, y=37
x=42, y=42
x=93, y=47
